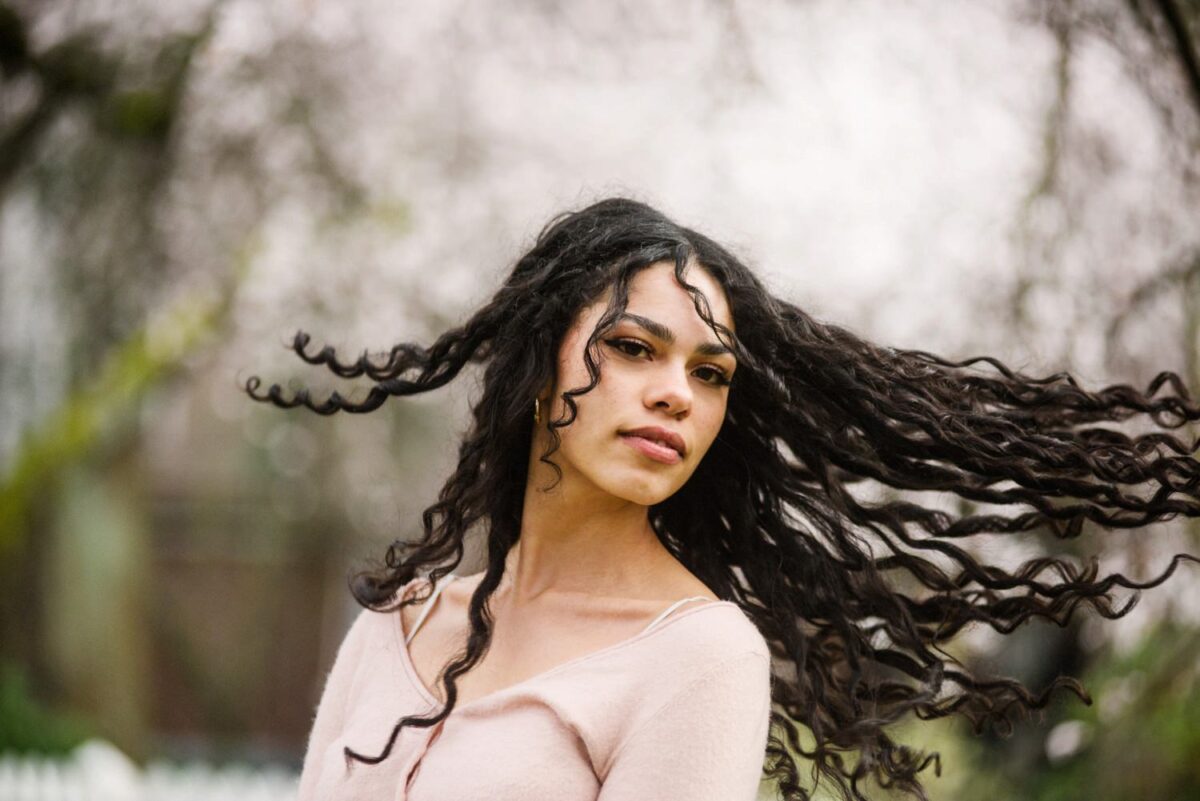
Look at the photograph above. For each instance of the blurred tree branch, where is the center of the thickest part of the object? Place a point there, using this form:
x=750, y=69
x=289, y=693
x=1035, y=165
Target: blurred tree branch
x=1183, y=272
x=81, y=71
x=1182, y=40
x=1156, y=42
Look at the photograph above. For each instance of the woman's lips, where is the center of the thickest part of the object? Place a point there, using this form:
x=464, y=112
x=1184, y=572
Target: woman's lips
x=653, y=449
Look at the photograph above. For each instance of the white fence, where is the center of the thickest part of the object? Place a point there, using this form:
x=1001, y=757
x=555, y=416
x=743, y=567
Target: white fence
x=97, y=771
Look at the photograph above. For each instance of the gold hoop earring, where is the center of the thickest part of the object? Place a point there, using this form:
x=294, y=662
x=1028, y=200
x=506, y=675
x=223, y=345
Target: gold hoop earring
x=537, y=411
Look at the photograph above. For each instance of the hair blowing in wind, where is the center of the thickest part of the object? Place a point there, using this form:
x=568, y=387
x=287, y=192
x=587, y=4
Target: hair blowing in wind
x=855, y=599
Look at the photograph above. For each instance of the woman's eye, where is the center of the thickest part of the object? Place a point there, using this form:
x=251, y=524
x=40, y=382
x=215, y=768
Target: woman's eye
x=713, y=375
x=630, y=347
x=637, y=349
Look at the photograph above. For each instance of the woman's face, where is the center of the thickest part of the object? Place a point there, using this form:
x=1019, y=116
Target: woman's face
x=663, y=387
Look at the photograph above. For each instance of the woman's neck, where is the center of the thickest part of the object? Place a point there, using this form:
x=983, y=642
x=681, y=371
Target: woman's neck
x=577, y=539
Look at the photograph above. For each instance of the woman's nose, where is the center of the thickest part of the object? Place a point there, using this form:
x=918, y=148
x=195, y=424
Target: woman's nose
x=669, y=392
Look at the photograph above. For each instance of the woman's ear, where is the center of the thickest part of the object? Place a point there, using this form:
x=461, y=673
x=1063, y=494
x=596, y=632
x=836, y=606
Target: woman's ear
x=543, y=402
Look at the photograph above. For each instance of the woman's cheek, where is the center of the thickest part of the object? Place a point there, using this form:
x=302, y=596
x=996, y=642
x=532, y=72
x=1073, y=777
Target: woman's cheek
x=711, y=415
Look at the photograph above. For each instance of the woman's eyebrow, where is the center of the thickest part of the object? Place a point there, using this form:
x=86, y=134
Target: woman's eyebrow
x=660, y=331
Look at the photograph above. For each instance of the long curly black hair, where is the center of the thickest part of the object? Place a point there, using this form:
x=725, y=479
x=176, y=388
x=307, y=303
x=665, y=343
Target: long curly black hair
x=855, y=598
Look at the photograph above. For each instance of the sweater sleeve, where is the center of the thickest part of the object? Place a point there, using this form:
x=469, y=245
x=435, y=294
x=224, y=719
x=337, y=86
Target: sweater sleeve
x=706, y=743
x=331, y=710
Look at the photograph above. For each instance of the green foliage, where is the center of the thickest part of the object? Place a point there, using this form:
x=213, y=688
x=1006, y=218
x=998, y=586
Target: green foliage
x=84, y=419
x=140, y=113
x=1144, y=731
x=1141, y=739
x=26, y=725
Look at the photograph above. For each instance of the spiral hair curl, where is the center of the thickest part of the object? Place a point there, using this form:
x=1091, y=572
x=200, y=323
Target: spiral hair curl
x=767, y=519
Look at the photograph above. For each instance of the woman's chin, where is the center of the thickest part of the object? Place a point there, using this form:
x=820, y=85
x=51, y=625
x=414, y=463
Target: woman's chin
x=643, y=490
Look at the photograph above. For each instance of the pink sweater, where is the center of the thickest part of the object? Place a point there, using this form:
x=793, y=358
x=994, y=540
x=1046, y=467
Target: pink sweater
x=678, y=711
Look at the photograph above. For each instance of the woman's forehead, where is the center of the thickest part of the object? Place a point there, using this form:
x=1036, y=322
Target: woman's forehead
x=656, y=287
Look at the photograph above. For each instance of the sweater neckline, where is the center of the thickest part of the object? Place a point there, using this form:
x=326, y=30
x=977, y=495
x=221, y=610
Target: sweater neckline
x=415, y=679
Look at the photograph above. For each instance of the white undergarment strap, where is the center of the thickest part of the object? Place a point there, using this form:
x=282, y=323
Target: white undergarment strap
x=437, y=591
x=671, y=609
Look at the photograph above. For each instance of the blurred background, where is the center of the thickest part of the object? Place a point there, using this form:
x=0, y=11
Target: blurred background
x=185, y=185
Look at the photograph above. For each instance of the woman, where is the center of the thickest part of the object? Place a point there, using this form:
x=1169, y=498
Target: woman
x=678, y=576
